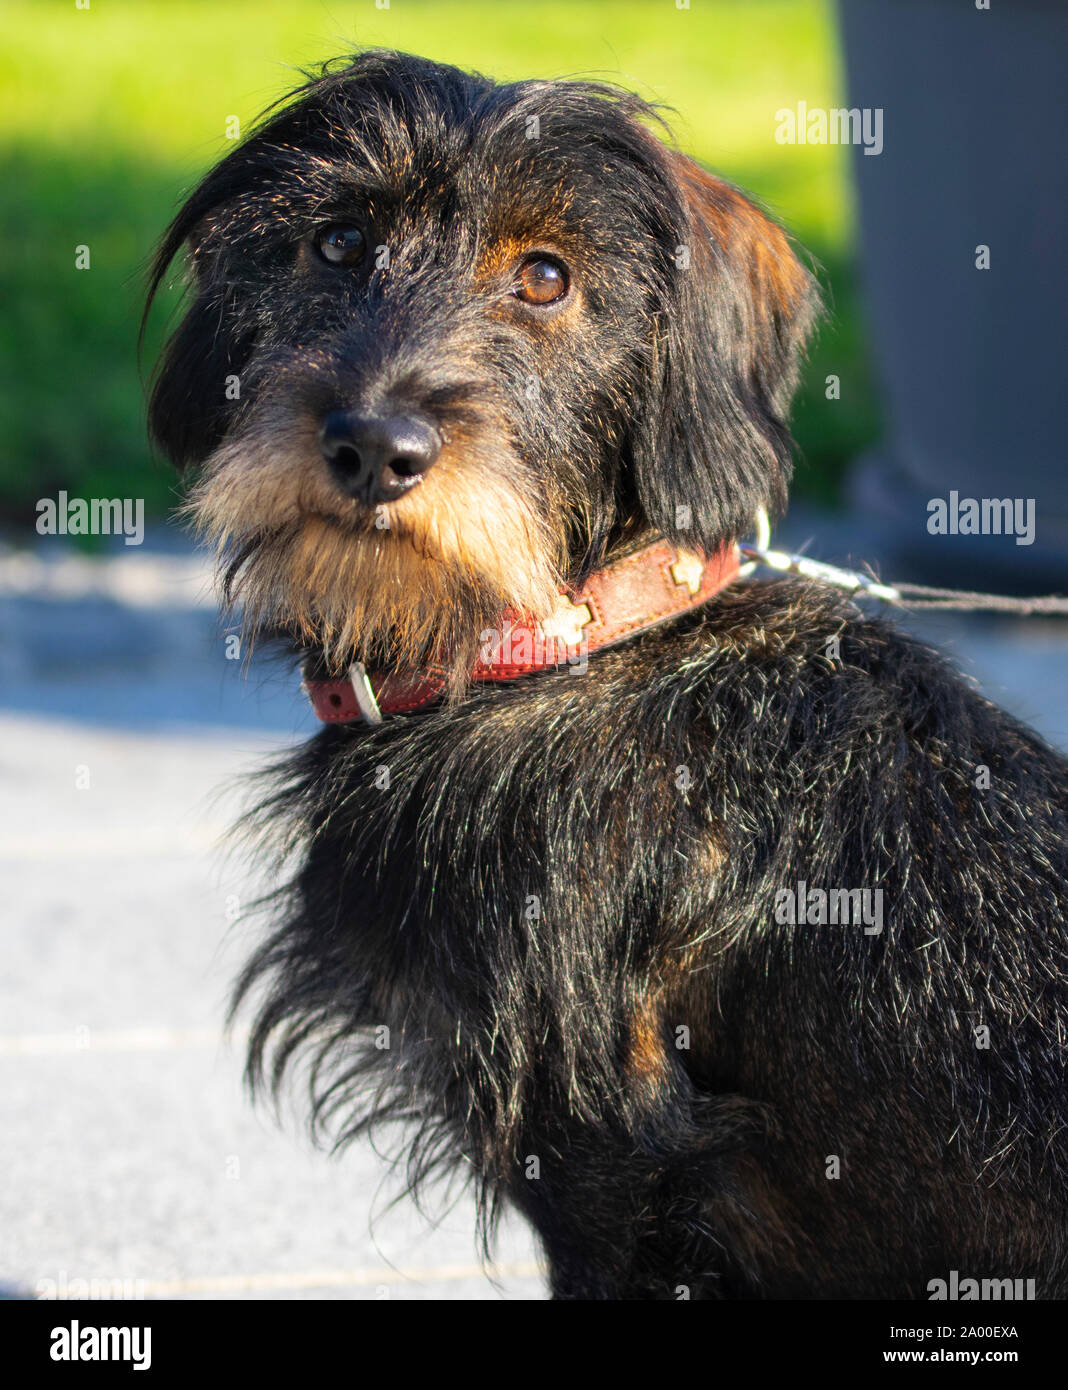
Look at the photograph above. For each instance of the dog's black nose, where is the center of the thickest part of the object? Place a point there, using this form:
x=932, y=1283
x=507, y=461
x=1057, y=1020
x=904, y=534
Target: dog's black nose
x=377, y=458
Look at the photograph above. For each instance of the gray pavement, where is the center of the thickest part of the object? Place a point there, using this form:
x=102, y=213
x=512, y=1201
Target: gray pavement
x=129, y=1149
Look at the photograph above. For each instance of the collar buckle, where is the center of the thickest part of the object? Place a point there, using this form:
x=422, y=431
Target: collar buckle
x=365, y=695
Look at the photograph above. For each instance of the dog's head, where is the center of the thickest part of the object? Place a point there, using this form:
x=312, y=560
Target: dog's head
x=450, y=341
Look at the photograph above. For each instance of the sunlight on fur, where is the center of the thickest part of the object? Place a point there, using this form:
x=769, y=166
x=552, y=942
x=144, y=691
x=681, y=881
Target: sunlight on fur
x=294, y=553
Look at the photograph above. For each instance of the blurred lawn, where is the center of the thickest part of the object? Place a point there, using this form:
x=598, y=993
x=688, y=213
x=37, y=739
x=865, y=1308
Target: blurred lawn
x=109, y=114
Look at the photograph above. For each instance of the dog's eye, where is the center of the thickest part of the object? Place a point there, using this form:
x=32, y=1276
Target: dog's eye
x=341, y=245
x=541, y=282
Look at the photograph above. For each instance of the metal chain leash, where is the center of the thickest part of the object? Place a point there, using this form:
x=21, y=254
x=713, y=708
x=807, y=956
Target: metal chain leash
x=916, y=596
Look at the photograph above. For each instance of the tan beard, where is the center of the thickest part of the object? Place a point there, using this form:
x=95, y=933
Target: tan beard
x=461, y=546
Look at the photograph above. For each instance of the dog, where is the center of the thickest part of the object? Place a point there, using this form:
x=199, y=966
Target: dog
x=713, y=924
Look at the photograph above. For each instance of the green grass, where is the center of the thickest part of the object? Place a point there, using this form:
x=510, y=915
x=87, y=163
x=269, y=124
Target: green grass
x=109, y=114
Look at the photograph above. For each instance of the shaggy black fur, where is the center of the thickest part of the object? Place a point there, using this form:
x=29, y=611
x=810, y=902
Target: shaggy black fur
x=559, y=894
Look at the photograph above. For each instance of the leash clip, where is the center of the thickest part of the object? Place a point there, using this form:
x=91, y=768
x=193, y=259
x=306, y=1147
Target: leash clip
x=788, y=563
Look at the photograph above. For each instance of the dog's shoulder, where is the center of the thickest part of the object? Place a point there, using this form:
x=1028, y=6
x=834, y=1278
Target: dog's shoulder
x=801, y=659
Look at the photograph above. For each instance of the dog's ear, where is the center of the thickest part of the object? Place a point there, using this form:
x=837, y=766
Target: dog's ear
x=714, y=445
x=188, y=410
x=189, y=406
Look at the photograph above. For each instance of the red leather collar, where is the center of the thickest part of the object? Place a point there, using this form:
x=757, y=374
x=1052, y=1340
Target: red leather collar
x=631, y=595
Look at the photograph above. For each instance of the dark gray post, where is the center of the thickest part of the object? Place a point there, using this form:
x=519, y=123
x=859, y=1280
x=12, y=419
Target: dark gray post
x=972, y=362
